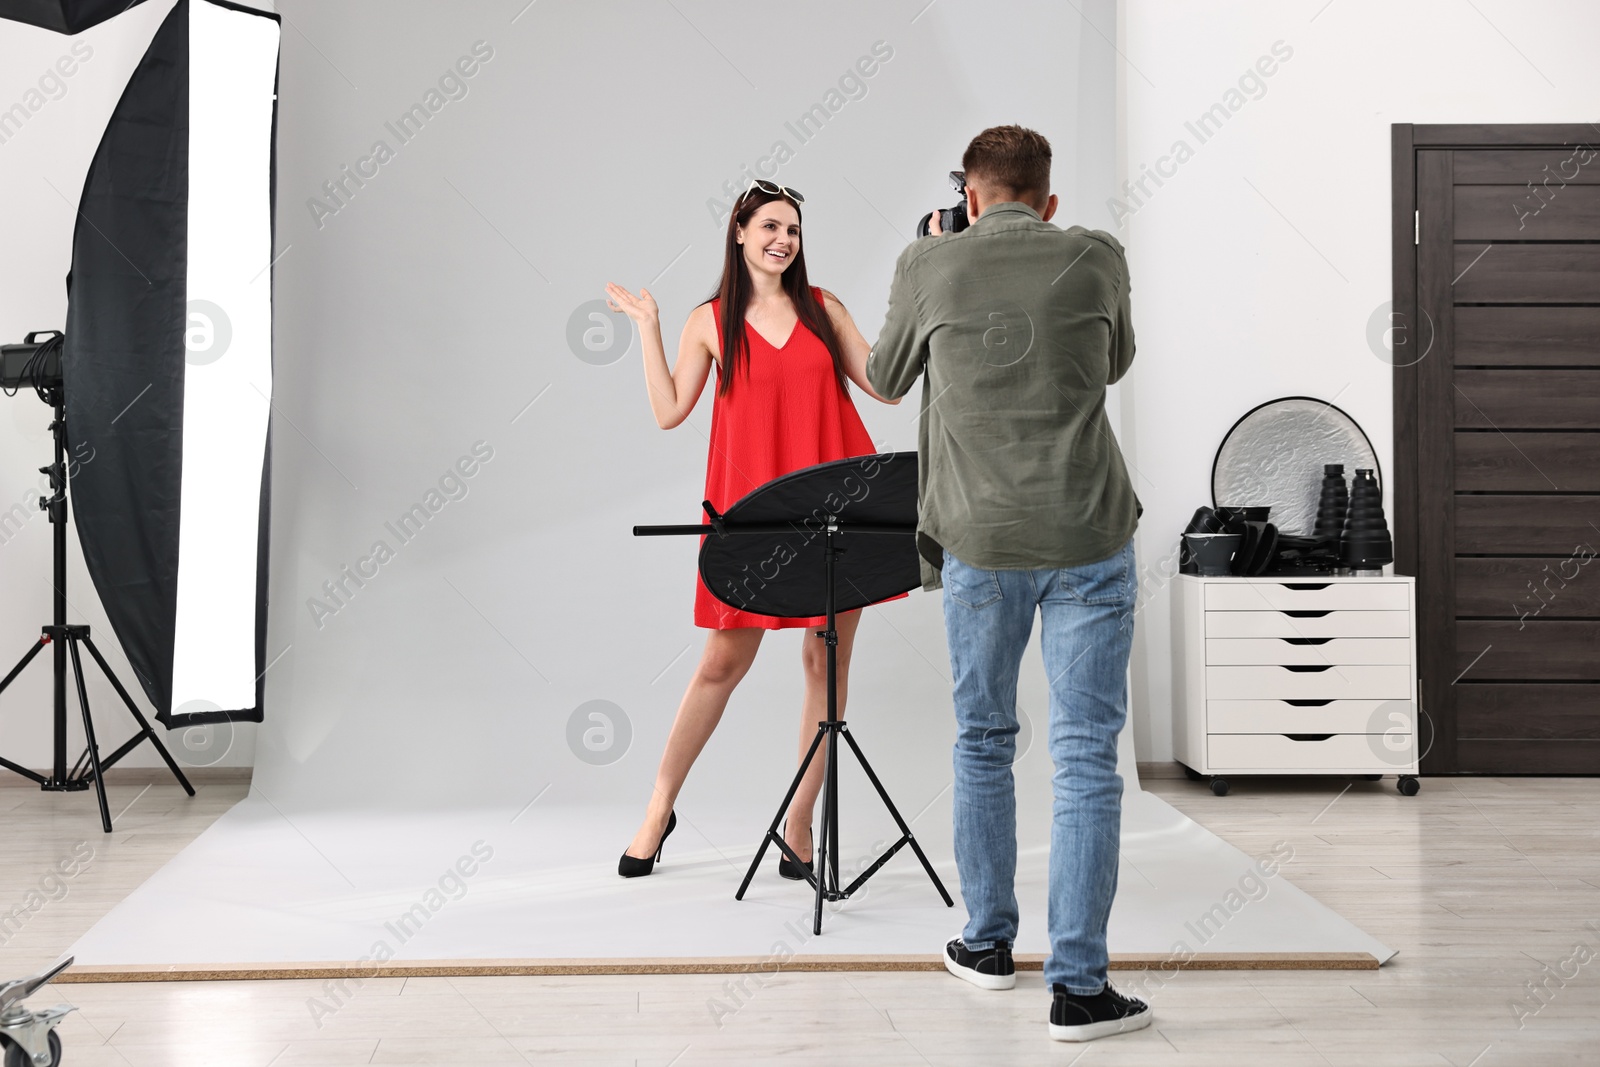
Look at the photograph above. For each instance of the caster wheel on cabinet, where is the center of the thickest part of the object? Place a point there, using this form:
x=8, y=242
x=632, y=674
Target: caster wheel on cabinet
x=1219, y=786
x=1372, y=777
x=1408, y=786
x=1192, y=774
x=16, y=1057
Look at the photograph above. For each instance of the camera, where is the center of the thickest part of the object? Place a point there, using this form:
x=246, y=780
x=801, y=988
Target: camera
x=951, y=219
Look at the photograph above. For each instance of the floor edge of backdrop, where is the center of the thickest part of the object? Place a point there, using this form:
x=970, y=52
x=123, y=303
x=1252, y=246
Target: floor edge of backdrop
x=254, y=972
x=260, y=891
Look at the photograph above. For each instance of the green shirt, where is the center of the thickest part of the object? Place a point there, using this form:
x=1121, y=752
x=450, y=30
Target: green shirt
x=1020, y=326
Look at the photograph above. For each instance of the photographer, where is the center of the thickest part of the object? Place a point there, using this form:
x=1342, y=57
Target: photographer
x=1025, y=504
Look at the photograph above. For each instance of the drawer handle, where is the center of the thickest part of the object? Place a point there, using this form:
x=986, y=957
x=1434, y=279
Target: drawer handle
x=1306, y=640
x=1306, y=668
x=1308, y=703
x=1308, y=737
x=1307, y=585
x=1306, y=614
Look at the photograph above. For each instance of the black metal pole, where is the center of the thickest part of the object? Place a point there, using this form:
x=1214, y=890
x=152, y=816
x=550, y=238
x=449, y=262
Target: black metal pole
x=828, y=858
x=88, y=732
x=57, y=507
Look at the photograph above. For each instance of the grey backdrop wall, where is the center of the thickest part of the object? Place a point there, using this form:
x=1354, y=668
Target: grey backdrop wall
x=460, y=450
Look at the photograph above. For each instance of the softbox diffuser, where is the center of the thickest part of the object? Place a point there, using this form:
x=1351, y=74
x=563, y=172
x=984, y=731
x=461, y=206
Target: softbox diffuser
x=168, y=362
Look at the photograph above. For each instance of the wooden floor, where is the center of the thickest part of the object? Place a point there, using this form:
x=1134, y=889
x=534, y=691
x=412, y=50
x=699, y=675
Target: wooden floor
x=1489, y=889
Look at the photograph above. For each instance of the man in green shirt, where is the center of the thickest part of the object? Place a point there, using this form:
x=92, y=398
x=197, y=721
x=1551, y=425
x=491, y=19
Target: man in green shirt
x=1025, y=505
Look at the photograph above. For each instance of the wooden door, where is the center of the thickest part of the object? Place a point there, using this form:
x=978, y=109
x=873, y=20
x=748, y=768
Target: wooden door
x=1497, y=423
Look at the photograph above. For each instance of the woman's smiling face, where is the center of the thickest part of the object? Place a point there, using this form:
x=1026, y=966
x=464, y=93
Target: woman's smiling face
x=771, y=238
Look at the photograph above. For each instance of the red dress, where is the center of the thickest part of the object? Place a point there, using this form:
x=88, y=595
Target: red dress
x=786, y=410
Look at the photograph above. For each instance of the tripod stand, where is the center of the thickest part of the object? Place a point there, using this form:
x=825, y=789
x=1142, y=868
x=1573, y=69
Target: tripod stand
x=66, y=639
x=825, y=877
x=771, y=517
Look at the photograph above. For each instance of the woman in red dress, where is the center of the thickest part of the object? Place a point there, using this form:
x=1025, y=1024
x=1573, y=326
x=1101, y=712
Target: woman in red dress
x=781, y=404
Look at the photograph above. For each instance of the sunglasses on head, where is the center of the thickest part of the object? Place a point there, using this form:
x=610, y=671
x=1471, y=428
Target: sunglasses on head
x=773, y=189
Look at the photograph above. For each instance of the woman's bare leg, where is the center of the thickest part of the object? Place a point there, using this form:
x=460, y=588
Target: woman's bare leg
x=814, y=659
x=725, y=660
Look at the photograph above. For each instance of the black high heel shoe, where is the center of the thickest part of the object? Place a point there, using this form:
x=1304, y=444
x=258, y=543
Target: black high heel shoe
x=791, y=870
x=634, y=867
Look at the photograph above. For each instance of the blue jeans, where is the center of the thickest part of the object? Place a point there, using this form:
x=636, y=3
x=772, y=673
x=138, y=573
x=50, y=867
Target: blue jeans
x=1087, y=633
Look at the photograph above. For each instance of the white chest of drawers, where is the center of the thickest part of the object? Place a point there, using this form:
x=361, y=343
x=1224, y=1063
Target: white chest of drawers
x=1290, y=675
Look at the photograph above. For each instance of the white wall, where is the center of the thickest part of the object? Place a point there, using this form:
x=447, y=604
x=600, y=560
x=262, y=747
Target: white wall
x=1258, y=266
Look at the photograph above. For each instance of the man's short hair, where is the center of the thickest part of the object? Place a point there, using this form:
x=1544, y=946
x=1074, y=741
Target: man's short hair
x=1010, y=161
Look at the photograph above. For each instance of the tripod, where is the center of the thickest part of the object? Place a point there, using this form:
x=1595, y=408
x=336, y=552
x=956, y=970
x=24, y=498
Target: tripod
x=781, y=522
x=66, y=639
x=825, y=877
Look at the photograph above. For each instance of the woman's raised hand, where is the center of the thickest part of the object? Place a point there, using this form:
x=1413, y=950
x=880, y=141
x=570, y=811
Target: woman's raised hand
x=641, y=309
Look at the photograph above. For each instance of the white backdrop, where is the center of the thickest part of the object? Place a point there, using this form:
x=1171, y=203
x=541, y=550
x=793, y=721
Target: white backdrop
x=425, y=314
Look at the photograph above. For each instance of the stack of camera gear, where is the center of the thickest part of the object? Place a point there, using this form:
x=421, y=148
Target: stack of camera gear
x=1365, y=545
x=1351, y=532
x=1319, y=553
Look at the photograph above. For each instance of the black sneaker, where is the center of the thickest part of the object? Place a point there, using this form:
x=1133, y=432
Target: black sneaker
x=991, y=969
x=1075, y=1018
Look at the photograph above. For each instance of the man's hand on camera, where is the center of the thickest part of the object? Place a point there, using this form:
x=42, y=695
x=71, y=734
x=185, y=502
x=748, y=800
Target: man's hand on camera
x=934, y=228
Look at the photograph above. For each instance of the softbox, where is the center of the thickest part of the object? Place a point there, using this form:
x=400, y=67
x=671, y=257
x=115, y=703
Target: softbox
x=168, y=361
x=63, y=16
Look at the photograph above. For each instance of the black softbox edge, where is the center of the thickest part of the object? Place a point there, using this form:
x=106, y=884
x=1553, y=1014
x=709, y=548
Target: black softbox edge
x=69, y=17
x=129, y=621
x=207, y=718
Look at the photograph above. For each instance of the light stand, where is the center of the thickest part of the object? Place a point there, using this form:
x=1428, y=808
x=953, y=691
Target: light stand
x=66, y=639
x=780, y=512
x=825, y=877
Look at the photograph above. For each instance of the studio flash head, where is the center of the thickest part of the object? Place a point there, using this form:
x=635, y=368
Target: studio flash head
x=35, y=363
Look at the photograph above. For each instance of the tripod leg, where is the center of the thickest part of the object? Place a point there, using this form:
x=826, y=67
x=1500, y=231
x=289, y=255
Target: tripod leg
x=909, y=838
x=772, y=831
x=833, y=809
x=144, y=723
x=27, y=658
x=828, y=842
x=16, y=768
x=88, y=733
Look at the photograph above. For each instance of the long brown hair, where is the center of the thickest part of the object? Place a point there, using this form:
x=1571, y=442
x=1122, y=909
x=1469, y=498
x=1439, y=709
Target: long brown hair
x=735, y=289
